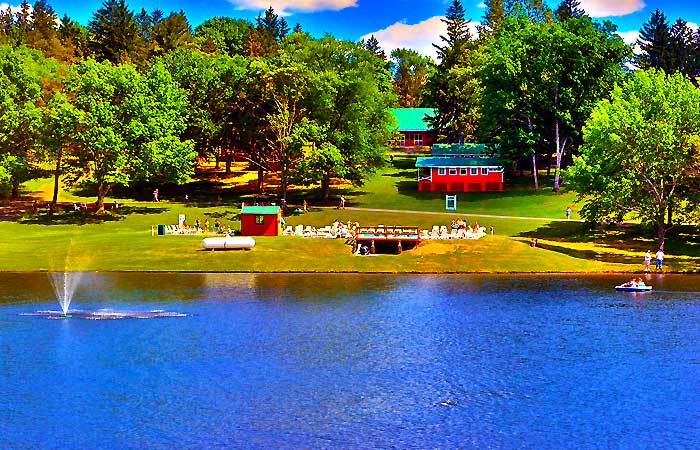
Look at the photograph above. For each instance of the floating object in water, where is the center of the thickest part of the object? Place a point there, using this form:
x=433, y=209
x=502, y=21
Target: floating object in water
x=447, y=403
x=228, y=242
x=623, y=288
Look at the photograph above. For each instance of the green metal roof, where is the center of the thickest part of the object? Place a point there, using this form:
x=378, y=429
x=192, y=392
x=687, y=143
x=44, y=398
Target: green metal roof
x=460, y=149
x=456, y=161
x=412, y=119
x=260, y=209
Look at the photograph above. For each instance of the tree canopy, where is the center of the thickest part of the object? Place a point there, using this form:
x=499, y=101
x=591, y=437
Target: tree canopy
x=641, y=153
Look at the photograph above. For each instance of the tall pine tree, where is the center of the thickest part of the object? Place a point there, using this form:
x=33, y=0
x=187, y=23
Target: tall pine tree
x=655, y=42
x=454, y=88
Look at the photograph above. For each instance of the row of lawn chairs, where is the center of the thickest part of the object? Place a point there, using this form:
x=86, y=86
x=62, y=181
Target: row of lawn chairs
x=323, y=232
x=443, y=232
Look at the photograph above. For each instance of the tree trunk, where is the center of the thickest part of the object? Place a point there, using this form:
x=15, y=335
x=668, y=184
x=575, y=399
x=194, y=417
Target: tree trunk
x=660, y=233
x=228, y=160
x=56, y=177
x=283, y=184
x=534, y=172
x=326, y=188
x=217, y=157
x=559, y=154
x=261, y=180
x=15, y=187
x=102, y=191
x=670, y=214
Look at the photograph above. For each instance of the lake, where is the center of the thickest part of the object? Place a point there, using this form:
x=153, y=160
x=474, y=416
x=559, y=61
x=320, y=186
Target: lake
x=351, y=361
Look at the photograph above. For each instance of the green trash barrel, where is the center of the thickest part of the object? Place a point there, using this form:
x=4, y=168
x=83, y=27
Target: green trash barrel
x=161, y=229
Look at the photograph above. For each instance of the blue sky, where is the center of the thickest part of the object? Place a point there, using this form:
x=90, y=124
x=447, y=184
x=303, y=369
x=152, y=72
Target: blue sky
x=396, y=23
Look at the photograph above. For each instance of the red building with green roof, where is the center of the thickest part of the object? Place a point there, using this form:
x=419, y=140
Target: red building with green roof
x=412, y=124
x=459, y=168
x=260, y=220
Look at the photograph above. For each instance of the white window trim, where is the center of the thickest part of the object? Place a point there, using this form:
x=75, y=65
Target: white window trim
x=452, y=171
x=442, y=171
x=463, y=171
x=474, y=171
x=484, y=171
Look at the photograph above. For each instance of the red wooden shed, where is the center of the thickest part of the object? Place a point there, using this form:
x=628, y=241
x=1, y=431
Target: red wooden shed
x=260, y=220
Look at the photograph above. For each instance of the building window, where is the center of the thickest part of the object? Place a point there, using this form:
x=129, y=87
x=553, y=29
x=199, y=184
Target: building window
x=441, y=171
x=402, y=140
x=418, y=139
x=462, y=170
x=474, y=171
x=259, y=219
x=453, y=171
x=484, y=171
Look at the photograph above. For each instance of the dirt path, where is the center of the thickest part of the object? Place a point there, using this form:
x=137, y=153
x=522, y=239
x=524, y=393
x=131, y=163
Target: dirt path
x=452, y=214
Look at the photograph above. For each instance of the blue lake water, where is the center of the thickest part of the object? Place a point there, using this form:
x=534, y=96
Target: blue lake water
x=351, y=361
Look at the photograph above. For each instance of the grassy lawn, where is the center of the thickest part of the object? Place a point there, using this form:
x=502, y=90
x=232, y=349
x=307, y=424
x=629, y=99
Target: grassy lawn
x=122, y=239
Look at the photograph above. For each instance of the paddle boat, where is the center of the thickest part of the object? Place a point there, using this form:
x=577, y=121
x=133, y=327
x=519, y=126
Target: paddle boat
x=623, y=288
x=228, y=242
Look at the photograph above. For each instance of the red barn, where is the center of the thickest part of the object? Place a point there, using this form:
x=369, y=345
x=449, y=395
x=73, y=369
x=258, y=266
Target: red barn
x=260, y=220
x=412, y=124
x=459, y=168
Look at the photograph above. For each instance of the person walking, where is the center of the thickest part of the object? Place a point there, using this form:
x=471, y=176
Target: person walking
x=568, y=212
x=659, y=259
x=647, y=260
x=305, y=208
x=341, y=203
x=155, y=196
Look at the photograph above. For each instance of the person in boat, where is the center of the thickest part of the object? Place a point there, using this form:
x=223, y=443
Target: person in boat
x=640, y=283
x=631, y=283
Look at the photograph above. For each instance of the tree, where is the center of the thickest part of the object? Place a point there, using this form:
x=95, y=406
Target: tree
x=115, y=33
x=544, y=97
x=61, y=122
x=655, y=42
x=410, y=76
x=494, y=15
x=130, y=128
x=226, y=34
x=680, y=58
x=20, y=117
x=372, y=44
x=74, y=38
x=171, y=33
x=348, y=118
x=569, y=9
x=454, y=86
x=641, y=153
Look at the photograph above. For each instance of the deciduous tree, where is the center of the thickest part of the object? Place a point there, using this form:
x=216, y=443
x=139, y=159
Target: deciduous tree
x=641, y=153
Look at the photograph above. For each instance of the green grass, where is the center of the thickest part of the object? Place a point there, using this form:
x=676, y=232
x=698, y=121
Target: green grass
x=122, y=239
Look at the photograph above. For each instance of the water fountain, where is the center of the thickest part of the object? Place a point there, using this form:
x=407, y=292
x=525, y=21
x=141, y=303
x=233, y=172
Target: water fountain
x=64, y=284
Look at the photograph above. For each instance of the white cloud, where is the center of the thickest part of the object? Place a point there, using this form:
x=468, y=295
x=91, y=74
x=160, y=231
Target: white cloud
x=481, y=5
x=284, y=7
x=630, y=38
x=15, y=9
x=607, y=8
x=419, y=37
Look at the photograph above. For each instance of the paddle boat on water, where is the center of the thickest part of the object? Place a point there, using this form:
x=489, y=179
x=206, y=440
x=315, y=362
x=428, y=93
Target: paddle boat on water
x=624, y=288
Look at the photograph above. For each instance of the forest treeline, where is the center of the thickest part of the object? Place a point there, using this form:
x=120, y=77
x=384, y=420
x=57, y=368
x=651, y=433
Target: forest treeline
x=140, y=96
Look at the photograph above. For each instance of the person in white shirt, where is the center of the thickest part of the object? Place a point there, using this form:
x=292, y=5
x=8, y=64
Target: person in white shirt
x=659, y=259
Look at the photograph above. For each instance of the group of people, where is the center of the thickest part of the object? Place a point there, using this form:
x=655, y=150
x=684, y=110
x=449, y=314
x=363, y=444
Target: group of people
x=635, y=282
x=659, y=260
